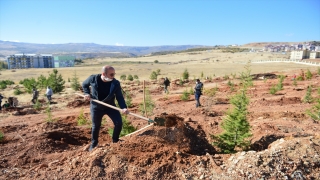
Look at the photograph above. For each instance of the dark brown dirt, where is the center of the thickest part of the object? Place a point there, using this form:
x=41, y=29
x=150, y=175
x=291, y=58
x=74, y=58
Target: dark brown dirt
x=78, y=103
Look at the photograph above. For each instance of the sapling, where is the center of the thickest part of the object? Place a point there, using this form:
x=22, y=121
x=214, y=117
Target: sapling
x=81, y=120
x=295, y=82
x=235, y=125
x=185, y=95
x=308, y=74
x=127, y=127
x=314, y=112
x=49, y=114
x=308, y=98
x=1, y=135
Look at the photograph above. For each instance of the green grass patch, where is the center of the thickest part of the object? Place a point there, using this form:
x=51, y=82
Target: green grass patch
x=127, y=127
x=185, y=95
x=314, y=112
x=1, y=136
x=82, y=120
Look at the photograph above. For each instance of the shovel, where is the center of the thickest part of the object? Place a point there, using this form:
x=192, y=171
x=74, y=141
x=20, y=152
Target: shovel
x=157, y=121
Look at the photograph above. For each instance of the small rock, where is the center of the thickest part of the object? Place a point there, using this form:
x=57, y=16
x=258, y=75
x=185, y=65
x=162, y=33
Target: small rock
x=184, y=176
x=231, y=158
x=86, y=148
x=241, y=157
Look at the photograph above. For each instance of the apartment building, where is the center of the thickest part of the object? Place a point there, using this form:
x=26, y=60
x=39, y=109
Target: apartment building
x=300, y=54
x=24, y=61
x=314, y=55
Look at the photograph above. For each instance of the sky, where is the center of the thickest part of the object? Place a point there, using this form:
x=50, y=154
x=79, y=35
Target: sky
x=159, y=22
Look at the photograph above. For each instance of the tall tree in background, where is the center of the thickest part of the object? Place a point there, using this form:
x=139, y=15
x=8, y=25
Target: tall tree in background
x=42, y=82
x=75, y=85
x=55, y=81
x=29, y=84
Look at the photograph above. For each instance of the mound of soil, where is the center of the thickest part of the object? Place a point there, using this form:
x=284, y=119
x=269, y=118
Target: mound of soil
x=158, y=152
x=264, y=76
x=78, y=103
x=284, y=159
x=280, y=101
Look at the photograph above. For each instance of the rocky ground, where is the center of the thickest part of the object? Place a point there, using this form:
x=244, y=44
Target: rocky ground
x=285, y=141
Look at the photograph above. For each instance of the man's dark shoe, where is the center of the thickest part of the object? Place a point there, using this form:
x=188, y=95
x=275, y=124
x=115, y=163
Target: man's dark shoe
x=116, y=141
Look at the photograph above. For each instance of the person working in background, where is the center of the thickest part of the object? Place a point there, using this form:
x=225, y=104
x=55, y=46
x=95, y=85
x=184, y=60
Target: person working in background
x=49, y=93
x=198, y=92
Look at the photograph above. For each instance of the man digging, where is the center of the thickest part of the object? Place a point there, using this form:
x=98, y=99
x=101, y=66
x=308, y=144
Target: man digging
x=105, y=88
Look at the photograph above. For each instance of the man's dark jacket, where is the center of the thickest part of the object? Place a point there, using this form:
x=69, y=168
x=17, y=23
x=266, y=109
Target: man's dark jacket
x=166, y=82
x=115, y=92
x=198, y=88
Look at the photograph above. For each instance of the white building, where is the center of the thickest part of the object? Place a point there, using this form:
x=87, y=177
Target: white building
x=300, y=54
x=24, y=61
x=314, y=55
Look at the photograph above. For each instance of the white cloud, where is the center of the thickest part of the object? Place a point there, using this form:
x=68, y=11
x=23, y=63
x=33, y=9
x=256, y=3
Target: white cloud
x=118, y=44
x=290, y=34
x=12, y=40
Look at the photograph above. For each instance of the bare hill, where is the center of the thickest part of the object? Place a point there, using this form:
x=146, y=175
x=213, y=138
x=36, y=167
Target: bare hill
x=84, y=50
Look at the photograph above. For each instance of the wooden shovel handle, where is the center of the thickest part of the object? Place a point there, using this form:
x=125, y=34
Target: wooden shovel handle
x=113, y=107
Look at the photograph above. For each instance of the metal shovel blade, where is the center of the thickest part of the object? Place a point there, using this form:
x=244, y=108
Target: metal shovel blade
x=159, y=121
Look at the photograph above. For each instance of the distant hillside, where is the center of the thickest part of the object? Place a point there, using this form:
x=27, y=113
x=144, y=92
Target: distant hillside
x=85, y=50
x=263, y=44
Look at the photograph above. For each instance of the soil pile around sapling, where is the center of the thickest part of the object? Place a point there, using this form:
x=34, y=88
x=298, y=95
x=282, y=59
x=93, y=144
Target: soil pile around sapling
x=157, y=153
x=171, y=120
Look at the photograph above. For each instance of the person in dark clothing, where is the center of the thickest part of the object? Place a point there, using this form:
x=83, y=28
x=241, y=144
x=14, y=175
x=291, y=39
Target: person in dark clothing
x=1, y=97
x=35, y=95
x=105, y=88
x=198, y=92
x=10, y=101
x=166, y=83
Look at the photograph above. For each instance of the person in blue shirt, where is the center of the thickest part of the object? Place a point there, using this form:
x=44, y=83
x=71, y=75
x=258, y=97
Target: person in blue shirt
x=198, y=92
x=104, y=87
